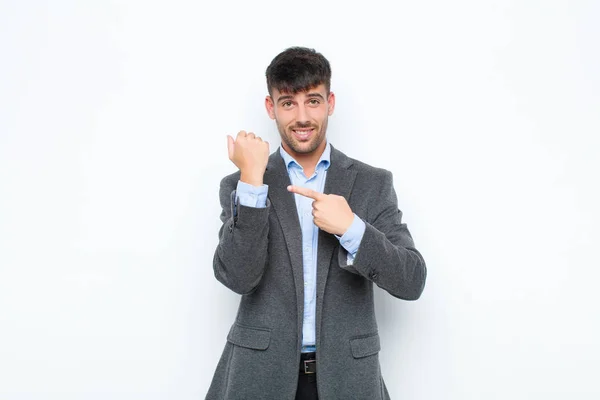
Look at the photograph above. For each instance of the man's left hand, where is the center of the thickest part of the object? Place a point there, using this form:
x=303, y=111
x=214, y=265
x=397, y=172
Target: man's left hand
x=331, y=212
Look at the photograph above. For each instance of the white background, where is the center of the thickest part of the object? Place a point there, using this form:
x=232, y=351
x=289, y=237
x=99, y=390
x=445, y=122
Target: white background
x=113, y=124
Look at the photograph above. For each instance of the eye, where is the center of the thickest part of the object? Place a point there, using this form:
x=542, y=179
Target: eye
x=286, y=104
x=314, y=102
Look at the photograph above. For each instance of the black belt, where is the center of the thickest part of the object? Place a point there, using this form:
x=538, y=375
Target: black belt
x=308, y=363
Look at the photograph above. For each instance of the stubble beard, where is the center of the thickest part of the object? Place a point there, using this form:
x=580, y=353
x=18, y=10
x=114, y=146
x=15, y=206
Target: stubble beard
x=288, y=138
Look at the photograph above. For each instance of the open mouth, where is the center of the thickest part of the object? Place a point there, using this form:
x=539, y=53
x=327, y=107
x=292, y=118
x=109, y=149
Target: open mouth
x=303, y=133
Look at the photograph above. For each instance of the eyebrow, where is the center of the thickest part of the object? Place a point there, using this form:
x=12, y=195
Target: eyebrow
x=290, y=97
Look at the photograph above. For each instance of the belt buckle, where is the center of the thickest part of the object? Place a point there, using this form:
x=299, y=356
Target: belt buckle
x=307, y=365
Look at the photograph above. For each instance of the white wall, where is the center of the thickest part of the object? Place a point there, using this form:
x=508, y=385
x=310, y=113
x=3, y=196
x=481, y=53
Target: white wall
x=113, y=118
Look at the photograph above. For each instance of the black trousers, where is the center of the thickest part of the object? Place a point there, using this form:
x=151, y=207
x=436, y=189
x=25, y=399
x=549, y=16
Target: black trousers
x=307, y=383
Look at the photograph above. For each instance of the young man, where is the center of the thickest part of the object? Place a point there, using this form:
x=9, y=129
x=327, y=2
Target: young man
x=306, y=233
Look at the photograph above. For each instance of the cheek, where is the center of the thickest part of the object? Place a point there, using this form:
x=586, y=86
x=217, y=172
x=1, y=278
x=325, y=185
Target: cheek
x=286, y=119
x=322, y=112
x=319, y=116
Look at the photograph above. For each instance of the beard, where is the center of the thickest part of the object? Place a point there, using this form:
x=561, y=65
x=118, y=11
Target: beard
x=303, y=147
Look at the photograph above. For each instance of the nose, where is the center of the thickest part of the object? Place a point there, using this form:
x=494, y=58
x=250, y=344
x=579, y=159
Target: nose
x=302, y=114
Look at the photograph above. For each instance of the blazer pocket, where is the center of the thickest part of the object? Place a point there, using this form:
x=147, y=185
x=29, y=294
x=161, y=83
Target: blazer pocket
x=249, y=337
x=365, y=345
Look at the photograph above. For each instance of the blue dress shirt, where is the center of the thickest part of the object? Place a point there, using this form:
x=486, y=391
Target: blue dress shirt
x=253, y=196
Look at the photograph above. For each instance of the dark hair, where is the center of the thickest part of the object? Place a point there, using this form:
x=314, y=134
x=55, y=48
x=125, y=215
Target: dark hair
x=298, y=69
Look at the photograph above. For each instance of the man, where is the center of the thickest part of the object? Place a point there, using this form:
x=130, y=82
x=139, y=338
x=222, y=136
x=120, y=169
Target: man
x=306, y=232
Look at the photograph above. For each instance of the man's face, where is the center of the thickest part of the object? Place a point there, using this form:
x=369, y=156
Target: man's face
x=301, y=118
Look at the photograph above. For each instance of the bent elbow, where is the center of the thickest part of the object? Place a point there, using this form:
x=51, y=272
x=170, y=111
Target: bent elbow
x=418, y=283
x=412, y=288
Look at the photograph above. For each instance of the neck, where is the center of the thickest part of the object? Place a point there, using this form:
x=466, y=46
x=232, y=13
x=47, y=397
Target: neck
x=308, y=161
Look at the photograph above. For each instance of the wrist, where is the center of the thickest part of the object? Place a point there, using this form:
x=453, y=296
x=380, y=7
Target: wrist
x=251, y=179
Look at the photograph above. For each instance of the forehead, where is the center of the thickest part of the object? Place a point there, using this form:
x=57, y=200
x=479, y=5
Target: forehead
x=316, y=90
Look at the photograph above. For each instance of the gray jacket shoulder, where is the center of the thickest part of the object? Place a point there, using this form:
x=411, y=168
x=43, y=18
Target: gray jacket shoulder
x=370, y=170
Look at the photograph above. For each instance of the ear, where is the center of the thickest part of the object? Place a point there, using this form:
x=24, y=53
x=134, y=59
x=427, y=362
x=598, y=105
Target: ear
x=270, y=106
x=331, y=102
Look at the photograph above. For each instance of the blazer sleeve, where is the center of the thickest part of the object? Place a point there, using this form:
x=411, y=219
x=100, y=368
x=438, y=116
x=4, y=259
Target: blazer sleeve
x=387, y=254
x=241, y=255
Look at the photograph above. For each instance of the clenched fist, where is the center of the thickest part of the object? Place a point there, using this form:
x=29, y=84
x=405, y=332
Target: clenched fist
x=250, y=154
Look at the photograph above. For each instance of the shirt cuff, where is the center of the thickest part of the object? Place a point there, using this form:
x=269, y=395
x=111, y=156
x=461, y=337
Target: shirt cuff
x=251, y=196
x=352, y=238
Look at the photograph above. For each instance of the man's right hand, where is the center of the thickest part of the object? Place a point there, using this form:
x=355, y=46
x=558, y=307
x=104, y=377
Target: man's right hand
x=250, y=154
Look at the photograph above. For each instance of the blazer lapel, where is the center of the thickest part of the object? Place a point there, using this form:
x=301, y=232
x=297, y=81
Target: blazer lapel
x=284, y=205
x=340, y=179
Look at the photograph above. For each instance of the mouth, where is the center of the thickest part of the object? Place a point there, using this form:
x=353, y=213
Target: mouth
x=303, y=134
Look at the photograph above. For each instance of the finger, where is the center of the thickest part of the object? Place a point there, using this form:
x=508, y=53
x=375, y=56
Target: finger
x=251, y=135
x=230, y=146
x=241, y=134
x=305, y=192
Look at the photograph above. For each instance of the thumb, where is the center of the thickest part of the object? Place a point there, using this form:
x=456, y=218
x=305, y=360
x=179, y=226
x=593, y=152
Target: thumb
x=230, y=146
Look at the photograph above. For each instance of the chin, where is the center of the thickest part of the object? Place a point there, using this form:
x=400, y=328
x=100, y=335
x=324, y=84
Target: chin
x=306, y=147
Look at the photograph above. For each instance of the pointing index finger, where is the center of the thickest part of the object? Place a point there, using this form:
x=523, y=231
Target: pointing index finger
x=305, y=192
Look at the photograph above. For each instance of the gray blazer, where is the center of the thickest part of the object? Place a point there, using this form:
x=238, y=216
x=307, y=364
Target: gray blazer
x=259, y=256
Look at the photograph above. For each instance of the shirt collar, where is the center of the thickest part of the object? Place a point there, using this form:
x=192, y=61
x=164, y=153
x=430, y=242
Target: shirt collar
x=289, y=161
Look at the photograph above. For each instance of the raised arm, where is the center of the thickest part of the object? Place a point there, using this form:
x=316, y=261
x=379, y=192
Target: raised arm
x=241, y=255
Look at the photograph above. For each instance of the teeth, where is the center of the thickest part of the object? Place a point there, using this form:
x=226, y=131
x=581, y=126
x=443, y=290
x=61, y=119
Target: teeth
x=302, y=134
